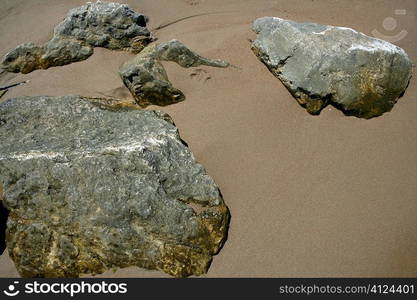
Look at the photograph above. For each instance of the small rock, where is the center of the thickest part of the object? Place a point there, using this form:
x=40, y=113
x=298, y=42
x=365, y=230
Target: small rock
x=146, y=78
x=322, y=65
x=101, y=24
x=177, y=52
x=25, y=58
x=91, y=188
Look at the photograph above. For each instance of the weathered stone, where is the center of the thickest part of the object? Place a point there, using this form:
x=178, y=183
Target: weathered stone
x=101, y=24
x=106, y=24
x=177, y=52
x=91, y=188
x=321, y=65
x=57, y=52
x=146, y=78
x=24, y=58
x=3, y=220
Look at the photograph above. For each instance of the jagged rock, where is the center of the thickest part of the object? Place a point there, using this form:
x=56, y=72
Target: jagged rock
x=146, y=78
x=101, y=24
x=106, y=24
x=321, y=65
x=90, y=188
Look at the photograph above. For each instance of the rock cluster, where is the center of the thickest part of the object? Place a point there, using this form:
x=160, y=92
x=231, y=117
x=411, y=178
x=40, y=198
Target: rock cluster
x=90, y=187
x=146, y=78
x=322, y=65
x=92, y=184
x=101, y=24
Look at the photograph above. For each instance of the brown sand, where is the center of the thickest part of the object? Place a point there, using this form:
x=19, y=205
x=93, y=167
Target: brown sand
x=309, y=196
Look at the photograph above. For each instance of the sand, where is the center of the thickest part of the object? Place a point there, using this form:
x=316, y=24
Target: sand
x=310, y=196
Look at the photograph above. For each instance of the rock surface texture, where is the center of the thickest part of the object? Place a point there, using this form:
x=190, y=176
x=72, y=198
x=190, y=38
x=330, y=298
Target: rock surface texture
x=322, y=65
x=101, y=24
x=90, y=188
x=146, y=78
x=3, y=219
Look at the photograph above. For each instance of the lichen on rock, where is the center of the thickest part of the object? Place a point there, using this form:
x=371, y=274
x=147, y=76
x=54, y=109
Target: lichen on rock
x=91, y=188
x=101, y=24
x=146, y=78
x=321, y=65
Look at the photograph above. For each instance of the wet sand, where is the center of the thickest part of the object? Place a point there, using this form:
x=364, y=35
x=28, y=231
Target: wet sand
x=310, y=196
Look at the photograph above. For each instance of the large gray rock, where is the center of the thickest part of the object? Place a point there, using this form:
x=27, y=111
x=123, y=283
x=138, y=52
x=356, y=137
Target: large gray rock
x=90, y=187
x=146, y=78
x=321, y=65
x=101, y=24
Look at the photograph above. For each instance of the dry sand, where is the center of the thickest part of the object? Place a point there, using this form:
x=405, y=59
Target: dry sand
x=310, y=196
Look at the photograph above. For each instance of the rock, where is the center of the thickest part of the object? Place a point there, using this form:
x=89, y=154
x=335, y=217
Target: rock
x=177, y=52
x=101, y=24
x=57, y=52
x=4, y=213
x=91, y=189
x=106, y=24
x=60, y=52
x=322, y=65
x=3, y=221
x=146, y=78
x=24, y=58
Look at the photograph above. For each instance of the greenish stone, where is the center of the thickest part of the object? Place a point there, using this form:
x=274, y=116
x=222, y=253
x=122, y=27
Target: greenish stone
x=92, y=186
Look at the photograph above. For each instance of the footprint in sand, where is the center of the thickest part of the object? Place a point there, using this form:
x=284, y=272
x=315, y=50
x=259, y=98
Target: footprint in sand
x=200, y=75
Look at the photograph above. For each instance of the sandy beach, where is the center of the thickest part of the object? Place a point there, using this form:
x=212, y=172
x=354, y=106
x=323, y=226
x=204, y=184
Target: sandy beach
x=310, y=196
